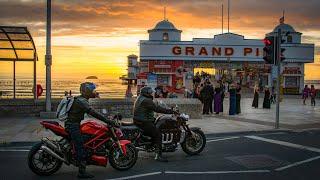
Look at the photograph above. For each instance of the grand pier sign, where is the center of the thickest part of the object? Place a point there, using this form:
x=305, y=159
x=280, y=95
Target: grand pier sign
x=221, y=48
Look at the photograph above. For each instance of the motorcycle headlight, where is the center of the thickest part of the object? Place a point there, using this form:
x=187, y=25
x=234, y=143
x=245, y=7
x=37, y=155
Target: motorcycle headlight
x=185, y=117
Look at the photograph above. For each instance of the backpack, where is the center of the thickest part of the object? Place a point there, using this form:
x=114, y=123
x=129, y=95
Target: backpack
x=64, y=108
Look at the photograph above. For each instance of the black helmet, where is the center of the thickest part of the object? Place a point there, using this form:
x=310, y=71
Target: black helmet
x=147, y=91
x=88, y=90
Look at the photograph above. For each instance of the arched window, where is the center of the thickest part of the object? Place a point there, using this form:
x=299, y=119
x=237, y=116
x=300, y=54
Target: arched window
x=165, y=37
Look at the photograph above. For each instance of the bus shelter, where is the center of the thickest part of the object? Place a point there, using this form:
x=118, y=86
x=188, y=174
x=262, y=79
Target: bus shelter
x=17, y=45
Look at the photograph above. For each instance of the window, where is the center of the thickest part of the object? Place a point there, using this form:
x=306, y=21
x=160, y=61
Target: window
x=165, y=36
x=289, y=39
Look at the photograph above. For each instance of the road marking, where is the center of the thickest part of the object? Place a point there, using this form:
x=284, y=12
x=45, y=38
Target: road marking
x=137, y=176
x=222, y=139
x=218, y=172
x=14, y=150
x=297, y=163
x=272, y=133
x=283, y=143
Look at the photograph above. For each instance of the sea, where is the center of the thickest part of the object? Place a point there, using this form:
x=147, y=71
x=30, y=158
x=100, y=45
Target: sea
x=107, y=88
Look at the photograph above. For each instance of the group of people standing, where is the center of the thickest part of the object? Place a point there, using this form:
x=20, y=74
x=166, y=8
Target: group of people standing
x=212, y=96
x=309, y=92
x=269, y=97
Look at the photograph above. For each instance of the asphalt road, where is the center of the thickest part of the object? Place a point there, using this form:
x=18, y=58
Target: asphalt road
x=279, y=155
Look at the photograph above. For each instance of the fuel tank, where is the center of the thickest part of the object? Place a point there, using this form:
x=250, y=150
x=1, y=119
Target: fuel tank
x=93, y=127
x=166, y=122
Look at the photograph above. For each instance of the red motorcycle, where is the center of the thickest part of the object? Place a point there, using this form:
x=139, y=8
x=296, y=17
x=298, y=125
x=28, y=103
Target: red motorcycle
x=102, y=143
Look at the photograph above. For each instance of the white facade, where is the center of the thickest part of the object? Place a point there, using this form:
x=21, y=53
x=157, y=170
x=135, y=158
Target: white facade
x=165, y=44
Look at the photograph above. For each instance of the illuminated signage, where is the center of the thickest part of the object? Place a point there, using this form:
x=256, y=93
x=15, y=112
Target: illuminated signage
x=213, y=51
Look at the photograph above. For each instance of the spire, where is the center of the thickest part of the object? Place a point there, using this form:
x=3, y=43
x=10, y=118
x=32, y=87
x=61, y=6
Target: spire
x=281, y=20
x=164, y=13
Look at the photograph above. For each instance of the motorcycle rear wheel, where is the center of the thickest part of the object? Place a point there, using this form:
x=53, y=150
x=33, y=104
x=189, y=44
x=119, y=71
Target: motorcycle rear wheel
x=193, y=146
x=121, y=162
x=39, y=161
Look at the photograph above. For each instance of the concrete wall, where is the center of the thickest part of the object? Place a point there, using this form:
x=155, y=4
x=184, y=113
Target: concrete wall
x=29, y=107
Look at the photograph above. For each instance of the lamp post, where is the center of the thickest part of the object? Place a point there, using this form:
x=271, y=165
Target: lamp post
x=48, y=58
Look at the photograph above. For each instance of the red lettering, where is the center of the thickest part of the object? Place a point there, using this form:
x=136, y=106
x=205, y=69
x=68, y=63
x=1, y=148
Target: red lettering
x=228, y=51
x=216, y=51
x=176, y=50
x=190, y=50
x=203, y=51
x=247, y=51
x=257, y=52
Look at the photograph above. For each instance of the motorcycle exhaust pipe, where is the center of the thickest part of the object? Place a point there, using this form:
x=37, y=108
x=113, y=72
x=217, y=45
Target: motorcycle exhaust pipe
x=50, y=144
x=48, y=150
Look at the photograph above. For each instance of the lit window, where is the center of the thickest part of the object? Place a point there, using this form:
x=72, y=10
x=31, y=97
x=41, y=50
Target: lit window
x=165, y=36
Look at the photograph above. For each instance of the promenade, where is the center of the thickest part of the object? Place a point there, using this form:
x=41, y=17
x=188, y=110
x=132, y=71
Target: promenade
x=294, y=116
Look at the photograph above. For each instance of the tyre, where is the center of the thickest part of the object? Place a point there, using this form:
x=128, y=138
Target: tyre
x=194, y=145
x=120, y=162
x=42, y=163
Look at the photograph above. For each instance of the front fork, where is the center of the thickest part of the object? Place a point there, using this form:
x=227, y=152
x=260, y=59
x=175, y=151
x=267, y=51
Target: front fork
x=120, y=143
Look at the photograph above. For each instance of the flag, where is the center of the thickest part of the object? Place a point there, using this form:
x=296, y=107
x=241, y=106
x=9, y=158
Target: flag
x=281, y=20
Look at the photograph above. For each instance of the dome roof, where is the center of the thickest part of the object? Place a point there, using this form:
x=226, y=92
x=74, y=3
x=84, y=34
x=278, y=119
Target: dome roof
x=165, y=24
x=284, y=27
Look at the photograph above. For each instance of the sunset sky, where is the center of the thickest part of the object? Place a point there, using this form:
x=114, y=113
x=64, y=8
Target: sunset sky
x=94, y=37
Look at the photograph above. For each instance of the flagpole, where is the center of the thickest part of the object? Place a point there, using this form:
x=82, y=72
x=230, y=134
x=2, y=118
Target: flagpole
x=228, y=14
x=222, y=18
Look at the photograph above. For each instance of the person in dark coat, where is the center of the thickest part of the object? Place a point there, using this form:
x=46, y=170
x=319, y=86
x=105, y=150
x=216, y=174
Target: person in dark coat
x=223, y=89
x=232, y=98
x=266, y=100
x=206, y=97
x=238, y=99
x=211, y=93
x=255, y=102
x=217, y=100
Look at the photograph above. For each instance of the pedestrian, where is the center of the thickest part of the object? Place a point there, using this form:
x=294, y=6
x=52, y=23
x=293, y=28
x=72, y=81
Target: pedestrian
x=305, y=94
x=238, y=98
x=196, y=92
x=206, y=97
x=223, y=89
x=266, y=100
x=255, y=102
x=217, y=99
x=313, y=95
x=232, y=98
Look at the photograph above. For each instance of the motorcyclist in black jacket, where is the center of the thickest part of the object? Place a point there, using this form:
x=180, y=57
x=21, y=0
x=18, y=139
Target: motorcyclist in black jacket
x=143, y=117
x=79, y=107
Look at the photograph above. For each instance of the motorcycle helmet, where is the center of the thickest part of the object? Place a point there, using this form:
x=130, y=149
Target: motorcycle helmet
x=147, y=91
x=88, y=90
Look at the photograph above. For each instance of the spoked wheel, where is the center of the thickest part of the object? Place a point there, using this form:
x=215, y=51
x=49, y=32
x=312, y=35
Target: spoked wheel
x=121, y=162
x=42, y=163
x=194, y=144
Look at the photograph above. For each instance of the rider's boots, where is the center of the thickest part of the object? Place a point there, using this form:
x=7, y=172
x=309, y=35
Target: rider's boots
x=82, y=171
x=159, y=156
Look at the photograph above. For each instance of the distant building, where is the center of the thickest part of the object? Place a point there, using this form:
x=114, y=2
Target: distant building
x=168, y=61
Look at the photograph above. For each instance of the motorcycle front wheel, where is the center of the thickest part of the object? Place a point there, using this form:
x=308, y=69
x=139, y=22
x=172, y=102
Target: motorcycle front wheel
x=121, y=162
x=195, y=144
x=42, y=163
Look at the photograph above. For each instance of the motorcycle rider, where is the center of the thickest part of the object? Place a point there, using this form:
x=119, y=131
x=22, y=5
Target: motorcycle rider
x=143, y=117
x=79, y=107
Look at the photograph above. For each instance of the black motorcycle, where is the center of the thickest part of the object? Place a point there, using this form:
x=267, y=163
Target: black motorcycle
x=174, y=130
